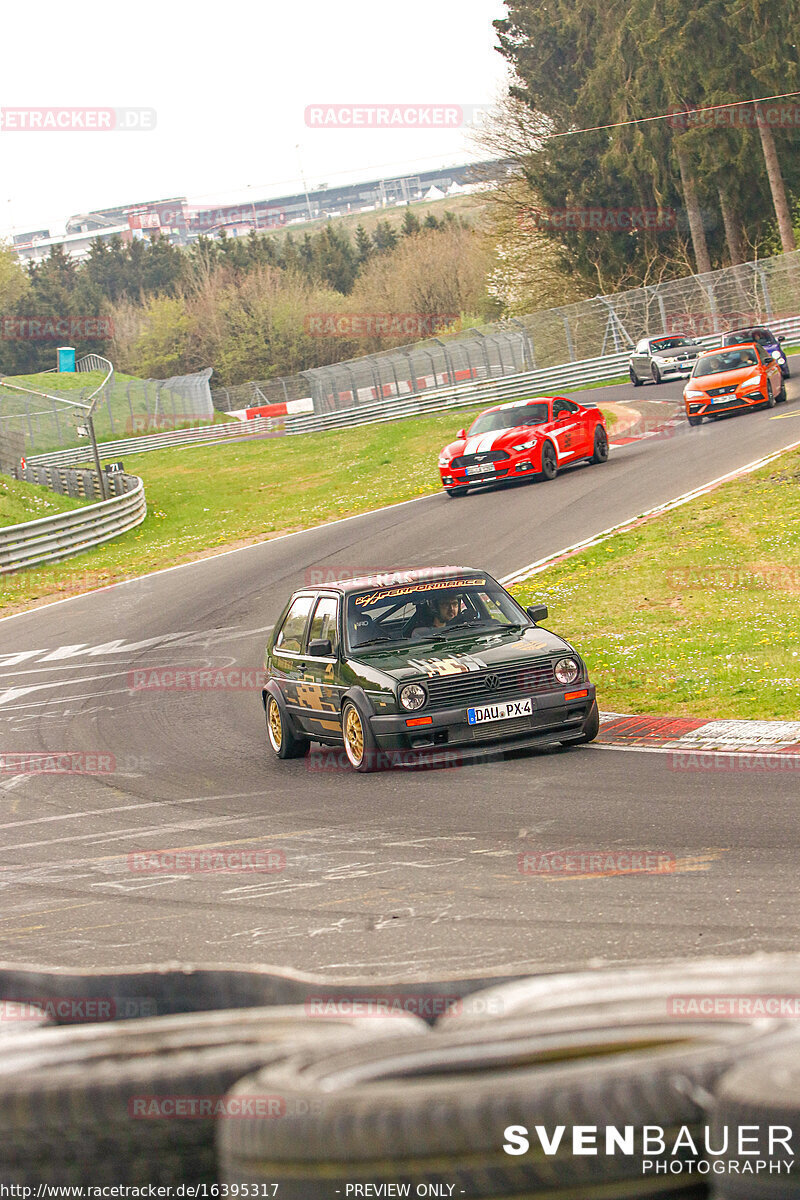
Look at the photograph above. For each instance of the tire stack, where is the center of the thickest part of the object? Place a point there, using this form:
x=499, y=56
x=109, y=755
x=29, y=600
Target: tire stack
x=317, y=1105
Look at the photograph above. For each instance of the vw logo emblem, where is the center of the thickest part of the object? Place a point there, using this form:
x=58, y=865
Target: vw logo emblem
x=492, y=682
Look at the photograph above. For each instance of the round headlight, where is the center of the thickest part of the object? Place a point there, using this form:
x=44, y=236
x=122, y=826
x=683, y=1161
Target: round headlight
x=567, y=670
x=776, y=354
x=413, y=696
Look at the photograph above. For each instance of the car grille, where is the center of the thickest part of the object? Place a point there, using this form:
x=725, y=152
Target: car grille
x=472, y=460
x=721, y=391
x=488, y=730
x=473, y=687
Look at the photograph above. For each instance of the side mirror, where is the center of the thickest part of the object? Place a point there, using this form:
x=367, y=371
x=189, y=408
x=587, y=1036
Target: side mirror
x=320, y=648
x=563, y=415
x=537, y=612
x=462, y=433
x=781, y=337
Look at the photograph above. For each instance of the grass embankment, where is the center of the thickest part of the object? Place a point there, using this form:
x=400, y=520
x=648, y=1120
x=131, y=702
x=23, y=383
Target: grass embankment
x=696, y=613
x=27, y=502
x=203, y=499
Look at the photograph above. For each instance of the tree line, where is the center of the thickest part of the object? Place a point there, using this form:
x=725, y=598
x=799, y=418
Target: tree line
x=727, y=178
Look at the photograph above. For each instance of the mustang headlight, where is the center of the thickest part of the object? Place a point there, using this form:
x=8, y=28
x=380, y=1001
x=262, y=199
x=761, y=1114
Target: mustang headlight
x=754, y=382
x=413, y=696
x=444, y=461
x=567, y=670
x=524, y=445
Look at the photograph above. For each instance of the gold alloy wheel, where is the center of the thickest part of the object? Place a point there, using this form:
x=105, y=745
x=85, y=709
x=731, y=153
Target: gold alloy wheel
x=353, y=737
x=274, y=725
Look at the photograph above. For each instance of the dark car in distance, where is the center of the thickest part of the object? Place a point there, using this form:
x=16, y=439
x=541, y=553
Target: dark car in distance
x=430, y=660
x=769, y=343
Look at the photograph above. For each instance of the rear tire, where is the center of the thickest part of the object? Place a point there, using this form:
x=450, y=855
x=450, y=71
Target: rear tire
x=283, y=742
x=549, y=462
x=600, y=454
x=635, y=380
x=782, y=397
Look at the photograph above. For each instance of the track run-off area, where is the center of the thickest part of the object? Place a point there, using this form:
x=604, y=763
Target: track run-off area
x=401, y=872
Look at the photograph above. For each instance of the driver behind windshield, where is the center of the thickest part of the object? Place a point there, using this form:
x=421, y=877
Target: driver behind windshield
x=436, y=615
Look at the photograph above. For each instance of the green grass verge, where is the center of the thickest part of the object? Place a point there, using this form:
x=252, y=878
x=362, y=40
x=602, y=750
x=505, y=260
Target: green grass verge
x=202, y=499
x=695, y=613
x=21, y=502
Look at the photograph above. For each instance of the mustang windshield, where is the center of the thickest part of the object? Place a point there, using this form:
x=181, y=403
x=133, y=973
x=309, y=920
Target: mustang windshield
x=431, y=609
x=728, y=360
x=507, y=418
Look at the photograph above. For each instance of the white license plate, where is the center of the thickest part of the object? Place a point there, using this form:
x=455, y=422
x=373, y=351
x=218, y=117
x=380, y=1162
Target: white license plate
x=481, y=469
x=500, y=712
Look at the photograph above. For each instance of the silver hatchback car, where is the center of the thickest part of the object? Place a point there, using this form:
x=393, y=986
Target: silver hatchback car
x=665, y=357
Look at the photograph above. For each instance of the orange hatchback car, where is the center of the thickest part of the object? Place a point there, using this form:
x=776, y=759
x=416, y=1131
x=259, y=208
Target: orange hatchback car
x=732, y=378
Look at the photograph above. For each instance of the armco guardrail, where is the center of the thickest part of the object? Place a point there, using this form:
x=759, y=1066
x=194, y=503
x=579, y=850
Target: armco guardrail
x=207, y=435
x=463, y=395
x=50, y=539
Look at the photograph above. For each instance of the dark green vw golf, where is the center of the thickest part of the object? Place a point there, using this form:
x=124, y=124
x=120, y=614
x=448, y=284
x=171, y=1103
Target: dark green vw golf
x=429, y=660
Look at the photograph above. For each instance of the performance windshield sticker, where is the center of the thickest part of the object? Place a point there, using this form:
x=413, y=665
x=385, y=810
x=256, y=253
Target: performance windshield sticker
x=441, y=585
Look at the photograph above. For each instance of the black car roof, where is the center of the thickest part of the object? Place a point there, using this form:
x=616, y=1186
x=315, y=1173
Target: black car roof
x=389, y=579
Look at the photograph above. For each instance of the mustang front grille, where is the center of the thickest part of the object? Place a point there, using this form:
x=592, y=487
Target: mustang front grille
x=481, y=687
x=473, y=460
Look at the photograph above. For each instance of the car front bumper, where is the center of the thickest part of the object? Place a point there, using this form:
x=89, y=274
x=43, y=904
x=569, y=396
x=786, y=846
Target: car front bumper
x=554, y=719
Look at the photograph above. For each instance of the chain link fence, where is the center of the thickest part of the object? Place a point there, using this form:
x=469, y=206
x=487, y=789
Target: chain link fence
x=125, y=407
x=697, y=305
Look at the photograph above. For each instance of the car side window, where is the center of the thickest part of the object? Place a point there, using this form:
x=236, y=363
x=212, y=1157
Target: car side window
x=560, y=406
x=324, y=623
x=642, y=347
x=294, y=625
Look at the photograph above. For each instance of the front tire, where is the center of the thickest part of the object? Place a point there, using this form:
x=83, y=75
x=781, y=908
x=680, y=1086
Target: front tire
x=456, y=491
x=549, y=462
x=600, y=454
x=656, y=374
x=280, y=737
x=695, y=420
x=770, y=402
x=359, y=744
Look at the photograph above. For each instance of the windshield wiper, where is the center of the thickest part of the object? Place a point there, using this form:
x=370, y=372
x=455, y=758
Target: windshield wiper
x=372, y=642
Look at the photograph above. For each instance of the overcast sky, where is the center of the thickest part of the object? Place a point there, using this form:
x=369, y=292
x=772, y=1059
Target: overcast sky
x=230, y=85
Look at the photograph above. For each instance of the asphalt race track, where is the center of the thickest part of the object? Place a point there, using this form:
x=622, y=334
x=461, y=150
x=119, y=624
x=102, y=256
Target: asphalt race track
x=400, y=872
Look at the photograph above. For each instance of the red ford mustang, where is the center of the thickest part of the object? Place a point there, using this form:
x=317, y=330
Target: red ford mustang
x=522, y=439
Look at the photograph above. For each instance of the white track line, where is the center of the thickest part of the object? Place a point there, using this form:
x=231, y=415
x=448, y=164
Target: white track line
x=535, y=567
